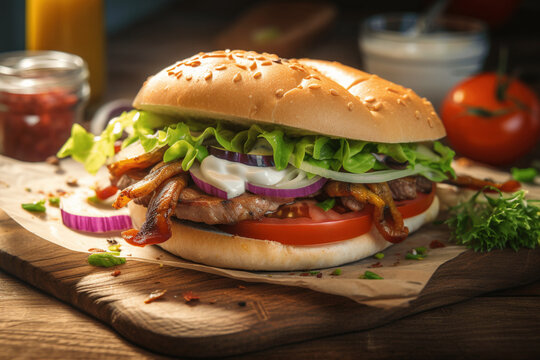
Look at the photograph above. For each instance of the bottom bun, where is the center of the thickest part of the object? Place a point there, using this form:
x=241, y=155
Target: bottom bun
x=207, y=245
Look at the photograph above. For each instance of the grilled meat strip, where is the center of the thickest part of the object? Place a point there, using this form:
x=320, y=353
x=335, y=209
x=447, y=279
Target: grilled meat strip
x=477, y=184
x=407, y=187
x=402, y=189
x=157, y=226
x=386, y=216
x=157, y=175
x=388, y=220
x=143, y=161
x=197, y=206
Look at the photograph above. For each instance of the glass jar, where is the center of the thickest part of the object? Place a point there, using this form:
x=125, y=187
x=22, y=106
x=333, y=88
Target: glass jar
x=430, y=63
x=42, y=93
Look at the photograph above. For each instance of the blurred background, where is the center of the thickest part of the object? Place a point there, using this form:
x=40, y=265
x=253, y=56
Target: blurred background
x=125, y=41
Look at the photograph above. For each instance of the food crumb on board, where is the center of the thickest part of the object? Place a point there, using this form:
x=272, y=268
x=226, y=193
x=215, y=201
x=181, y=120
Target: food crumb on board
x=189, y=296
x=116, y=273
x=154, y=295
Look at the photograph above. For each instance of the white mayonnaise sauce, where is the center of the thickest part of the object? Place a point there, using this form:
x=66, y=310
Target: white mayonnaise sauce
x=232, y=177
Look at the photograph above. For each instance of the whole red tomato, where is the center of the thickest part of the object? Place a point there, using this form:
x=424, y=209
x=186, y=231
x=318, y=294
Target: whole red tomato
x=492, y=119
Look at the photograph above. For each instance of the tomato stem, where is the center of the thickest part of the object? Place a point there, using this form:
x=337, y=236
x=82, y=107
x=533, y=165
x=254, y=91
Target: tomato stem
x=483, y=112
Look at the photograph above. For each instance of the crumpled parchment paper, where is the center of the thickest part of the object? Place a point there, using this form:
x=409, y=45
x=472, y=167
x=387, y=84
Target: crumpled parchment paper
x=403, y=281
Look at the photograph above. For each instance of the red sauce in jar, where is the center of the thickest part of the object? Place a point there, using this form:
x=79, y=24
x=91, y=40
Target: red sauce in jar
x=35, y=126
x=42, y=93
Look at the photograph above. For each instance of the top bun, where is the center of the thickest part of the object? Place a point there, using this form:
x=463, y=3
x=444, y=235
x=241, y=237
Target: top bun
x=313, y=96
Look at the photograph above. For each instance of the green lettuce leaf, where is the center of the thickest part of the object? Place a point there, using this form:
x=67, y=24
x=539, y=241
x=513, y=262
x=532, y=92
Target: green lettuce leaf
x=188, y=141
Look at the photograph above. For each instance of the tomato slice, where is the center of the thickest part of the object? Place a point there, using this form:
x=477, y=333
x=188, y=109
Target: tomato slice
x=321, y=227
x=410, y=208
x=106, y=192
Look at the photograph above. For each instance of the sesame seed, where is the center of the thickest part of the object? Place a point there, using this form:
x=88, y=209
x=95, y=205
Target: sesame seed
x=430, y=123
x=377, y=106
x=405, y=96
x=231, y=57
x=194, y=63
x=350, y=106
x=417, y=114
x=261, y=58
x=279, y=93
x=314, y=86
x=221, y=67
x=433, y=113
x=369, y=99
x=237, y=77
x=188, y=77
x=208, y=76
x=253, y=66
x=243, y=67
x=300, y=87
x=205, y=56
x=334, y=92
x=257, y=75
x=179, y=75
x=401, y=102
x=392, y=90
x=266, y=63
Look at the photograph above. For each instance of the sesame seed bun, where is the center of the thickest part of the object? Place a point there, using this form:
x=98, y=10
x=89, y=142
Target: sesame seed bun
x=204, y=244
x=310, y=95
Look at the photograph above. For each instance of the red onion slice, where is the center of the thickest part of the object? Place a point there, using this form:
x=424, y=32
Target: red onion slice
x=96, y=224
x=206, y=187
x=78, y=214
x=248, y=159
x=311, y=187
x=301, y=188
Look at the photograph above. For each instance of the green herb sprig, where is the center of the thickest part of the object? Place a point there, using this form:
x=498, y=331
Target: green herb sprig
x=36, y=206
x=371, y=276
x=525, y=175
x=496, y=222
x=105, y=259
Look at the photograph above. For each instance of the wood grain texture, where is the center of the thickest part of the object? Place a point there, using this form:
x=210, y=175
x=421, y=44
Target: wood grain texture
x=34, y=325
x=232, y=317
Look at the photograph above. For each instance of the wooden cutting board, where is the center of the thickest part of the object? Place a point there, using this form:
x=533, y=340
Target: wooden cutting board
x=231, y=316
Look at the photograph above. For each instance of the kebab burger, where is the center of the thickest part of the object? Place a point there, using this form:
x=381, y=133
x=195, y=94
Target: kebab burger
x=245, y=160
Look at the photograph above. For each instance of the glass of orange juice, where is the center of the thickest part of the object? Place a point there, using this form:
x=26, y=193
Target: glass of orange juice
x=72, y=26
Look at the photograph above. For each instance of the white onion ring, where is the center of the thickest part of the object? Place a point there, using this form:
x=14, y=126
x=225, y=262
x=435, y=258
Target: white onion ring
x=295, y=186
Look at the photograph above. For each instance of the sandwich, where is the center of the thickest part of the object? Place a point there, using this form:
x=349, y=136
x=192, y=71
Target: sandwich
x=250, y=161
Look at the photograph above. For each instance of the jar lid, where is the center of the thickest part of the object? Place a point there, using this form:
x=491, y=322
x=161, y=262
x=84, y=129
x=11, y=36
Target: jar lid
x=28, y=72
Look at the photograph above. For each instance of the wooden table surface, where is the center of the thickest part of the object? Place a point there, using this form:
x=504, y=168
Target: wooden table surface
x=505, y=324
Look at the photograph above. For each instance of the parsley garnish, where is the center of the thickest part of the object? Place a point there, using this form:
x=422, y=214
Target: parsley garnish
x=371, y=276
x=36, y=206
x=496, y=223
x=524, y=175
x=327, y=204
x=105, y=259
